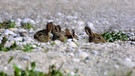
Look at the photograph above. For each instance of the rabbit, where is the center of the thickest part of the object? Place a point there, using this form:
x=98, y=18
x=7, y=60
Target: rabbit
x=94, y=37
x=43, y=35
x=69, y=35
x=58, y=34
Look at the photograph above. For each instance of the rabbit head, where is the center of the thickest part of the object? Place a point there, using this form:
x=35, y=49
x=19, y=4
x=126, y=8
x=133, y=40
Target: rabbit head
x=94, y=37
x=69, y=34
x=58, y=34
x=43, y=35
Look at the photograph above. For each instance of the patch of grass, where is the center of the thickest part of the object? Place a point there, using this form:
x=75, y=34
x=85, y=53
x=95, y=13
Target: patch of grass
x=3, y=74
x=28, y=48
x=27, y=26
x=5, y=49
x=11, y=58
x=8, y=24
x=53, y=43
x=113, y=36
x=32, y=72
x=129, y=73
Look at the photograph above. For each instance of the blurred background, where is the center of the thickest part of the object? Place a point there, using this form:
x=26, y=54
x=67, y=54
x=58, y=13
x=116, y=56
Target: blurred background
x=103, y=15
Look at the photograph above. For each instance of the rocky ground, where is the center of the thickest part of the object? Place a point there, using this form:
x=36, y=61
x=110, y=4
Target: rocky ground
x=89, y=59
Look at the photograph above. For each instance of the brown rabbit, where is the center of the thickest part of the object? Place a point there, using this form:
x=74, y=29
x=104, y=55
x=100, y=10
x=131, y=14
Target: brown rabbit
x=58, y=34
x=94, y=37
x=69, y=35
x=43, y=35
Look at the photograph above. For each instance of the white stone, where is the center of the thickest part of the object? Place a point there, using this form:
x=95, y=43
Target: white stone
x=127, y=62
x=57, y=42
x=28, y=20
x=76, y=60
x=83, y=55
x=8, y=32
x=18, y=39
x=18, y=22
x=71, y=54
x=72, y=73
x=72, y=44
x=80, y=23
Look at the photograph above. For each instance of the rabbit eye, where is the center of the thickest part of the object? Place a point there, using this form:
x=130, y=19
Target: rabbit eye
x=57, y=36
x=99, y=37
x=40, y=34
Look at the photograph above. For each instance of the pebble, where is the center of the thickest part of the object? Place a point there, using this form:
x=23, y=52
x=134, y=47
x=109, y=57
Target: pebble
x=23, y=34
x=26, y=58
x=127, y=62
x=28, y=20
x=71, y=55
x=132, y=38
x=8, y=32
x=70, y=43
x=57, y=42
x=83, y=55
x=76, y=60
x=18, y=22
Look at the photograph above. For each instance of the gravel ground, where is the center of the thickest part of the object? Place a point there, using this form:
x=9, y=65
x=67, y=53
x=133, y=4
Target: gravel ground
x=90, y=59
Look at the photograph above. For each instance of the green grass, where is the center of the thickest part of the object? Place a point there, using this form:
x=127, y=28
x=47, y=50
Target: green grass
x=28, y=48
x=32, y=72
x=7, y=24
x=27, y=26
x=5, y=49
x=114, y=36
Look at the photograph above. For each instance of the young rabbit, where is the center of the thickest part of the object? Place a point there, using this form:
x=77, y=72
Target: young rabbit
x=58, y=34
x=43, y=35
x=94, y=37
x=69, y=35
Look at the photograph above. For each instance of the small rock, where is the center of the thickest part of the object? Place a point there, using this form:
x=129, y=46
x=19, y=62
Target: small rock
x=72, y=73
x=115, y=30
x=83, y=55
x=71, y=54
x=71, y=43
x=8, y=32
x=131, y=29
x=18, y=39
x=80, y=23
x=13, y=29
x=18, y=22
x=76, y=60
x=25, y=58
x=133, y=43
x=2, y=30
x=23, y=34
x=57, y=42
x=28, y=20
x=132, y=38
x=127, y=62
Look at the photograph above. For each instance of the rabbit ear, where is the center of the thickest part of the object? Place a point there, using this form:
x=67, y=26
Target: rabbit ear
x=49, y=26
x=73, y=34
x=58, y=28
x=88, y=31
x=67, y=31
x=68, y=34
